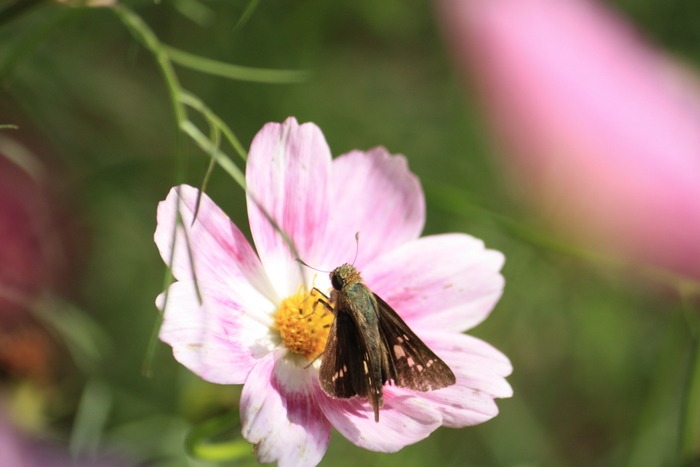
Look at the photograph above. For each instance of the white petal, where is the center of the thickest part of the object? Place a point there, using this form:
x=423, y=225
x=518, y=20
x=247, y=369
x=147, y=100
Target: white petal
x=287, y=174
x=374, y=194
x=280, y=415
x=214, y=338
x=210, y=249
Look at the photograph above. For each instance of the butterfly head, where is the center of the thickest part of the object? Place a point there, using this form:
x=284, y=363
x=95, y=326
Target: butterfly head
x=344, y=275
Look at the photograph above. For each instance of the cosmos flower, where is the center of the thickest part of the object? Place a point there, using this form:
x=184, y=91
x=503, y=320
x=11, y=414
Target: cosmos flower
x=258, y=322
x=596, y=127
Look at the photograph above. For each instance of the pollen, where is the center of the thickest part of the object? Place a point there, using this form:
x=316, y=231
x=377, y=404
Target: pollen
x=303, y=321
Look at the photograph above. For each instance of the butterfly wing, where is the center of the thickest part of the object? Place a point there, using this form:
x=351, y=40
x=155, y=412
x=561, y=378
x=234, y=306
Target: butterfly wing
x=410, y=363
x=352, y=362
x=341, y=368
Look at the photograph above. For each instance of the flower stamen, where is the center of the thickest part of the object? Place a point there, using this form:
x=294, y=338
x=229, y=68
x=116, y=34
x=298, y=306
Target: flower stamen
x=304, y=322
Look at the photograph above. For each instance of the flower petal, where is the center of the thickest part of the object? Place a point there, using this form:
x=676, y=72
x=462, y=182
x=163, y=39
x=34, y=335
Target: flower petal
x=597, y=127
x=287, y=173
x=439, y=282
x=220, y=253
x=480, y=370
x=280, y=415
x=404, y=419
x=375, y=194
x=215, y=339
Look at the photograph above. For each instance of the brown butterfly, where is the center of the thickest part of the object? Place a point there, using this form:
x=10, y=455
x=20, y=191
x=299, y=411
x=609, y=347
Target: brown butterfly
x=369, y=344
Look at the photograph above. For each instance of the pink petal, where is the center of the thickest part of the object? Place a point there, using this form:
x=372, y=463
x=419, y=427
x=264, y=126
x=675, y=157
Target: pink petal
x=600, y=129
x=287, y=173
x=280, y=415
x=215, y=339
x=480, y=370
x=404, y=419
x=375, y=194
x=220, y=253
x=439, y=282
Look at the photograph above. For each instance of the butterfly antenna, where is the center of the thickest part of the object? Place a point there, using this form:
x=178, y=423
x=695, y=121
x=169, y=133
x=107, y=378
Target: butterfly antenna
x=357, y=247
x=301, y=261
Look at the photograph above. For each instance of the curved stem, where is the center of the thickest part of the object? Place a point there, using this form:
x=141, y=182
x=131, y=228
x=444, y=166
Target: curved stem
x=145, y=35
x=237, y=72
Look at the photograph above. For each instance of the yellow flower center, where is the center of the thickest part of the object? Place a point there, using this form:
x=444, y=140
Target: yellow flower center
x=304, y=321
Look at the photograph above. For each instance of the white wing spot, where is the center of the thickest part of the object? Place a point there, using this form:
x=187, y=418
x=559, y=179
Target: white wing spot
x=340, y=373
x=364, y=362
x=410, y=362
x=398, y=351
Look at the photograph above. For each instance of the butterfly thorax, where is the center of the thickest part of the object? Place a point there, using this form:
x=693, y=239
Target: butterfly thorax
x=345, y=276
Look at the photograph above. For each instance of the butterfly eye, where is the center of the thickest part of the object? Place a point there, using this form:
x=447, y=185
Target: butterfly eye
x=337, y=281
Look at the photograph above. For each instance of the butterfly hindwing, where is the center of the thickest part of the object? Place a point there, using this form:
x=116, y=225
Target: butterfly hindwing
x=410, y=363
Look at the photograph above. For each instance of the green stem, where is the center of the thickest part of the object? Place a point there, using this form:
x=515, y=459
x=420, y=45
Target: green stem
x=179, y=98
x=148, y=39
x=191, y=101
x=247, y=13
x=145, y=35
x=237, y=72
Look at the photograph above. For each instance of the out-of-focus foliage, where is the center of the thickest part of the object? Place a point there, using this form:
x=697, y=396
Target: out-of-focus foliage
x=599, y=355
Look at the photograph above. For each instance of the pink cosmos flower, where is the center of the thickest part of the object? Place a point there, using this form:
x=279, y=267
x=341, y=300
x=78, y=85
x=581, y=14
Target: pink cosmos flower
x=597, y=127
x=246, y=328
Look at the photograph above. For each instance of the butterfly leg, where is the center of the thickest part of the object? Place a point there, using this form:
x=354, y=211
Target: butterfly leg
x=324, y=300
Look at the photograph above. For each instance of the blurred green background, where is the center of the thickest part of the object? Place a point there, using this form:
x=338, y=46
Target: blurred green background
x=599, y=353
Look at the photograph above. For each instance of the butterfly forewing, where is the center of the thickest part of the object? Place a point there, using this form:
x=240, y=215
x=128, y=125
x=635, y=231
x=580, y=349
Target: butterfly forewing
x=353, y=365
x=411, y=364
x=341, y=375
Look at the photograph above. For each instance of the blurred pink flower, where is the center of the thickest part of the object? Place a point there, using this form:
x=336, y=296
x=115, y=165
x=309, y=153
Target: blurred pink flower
x=33, y=252
x=597, y=127
x=240, y=332
x=26, y=266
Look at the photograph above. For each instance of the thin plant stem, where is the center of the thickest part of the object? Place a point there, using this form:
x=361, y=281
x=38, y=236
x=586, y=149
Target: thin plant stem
x=237, y=72
x=148, y=39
